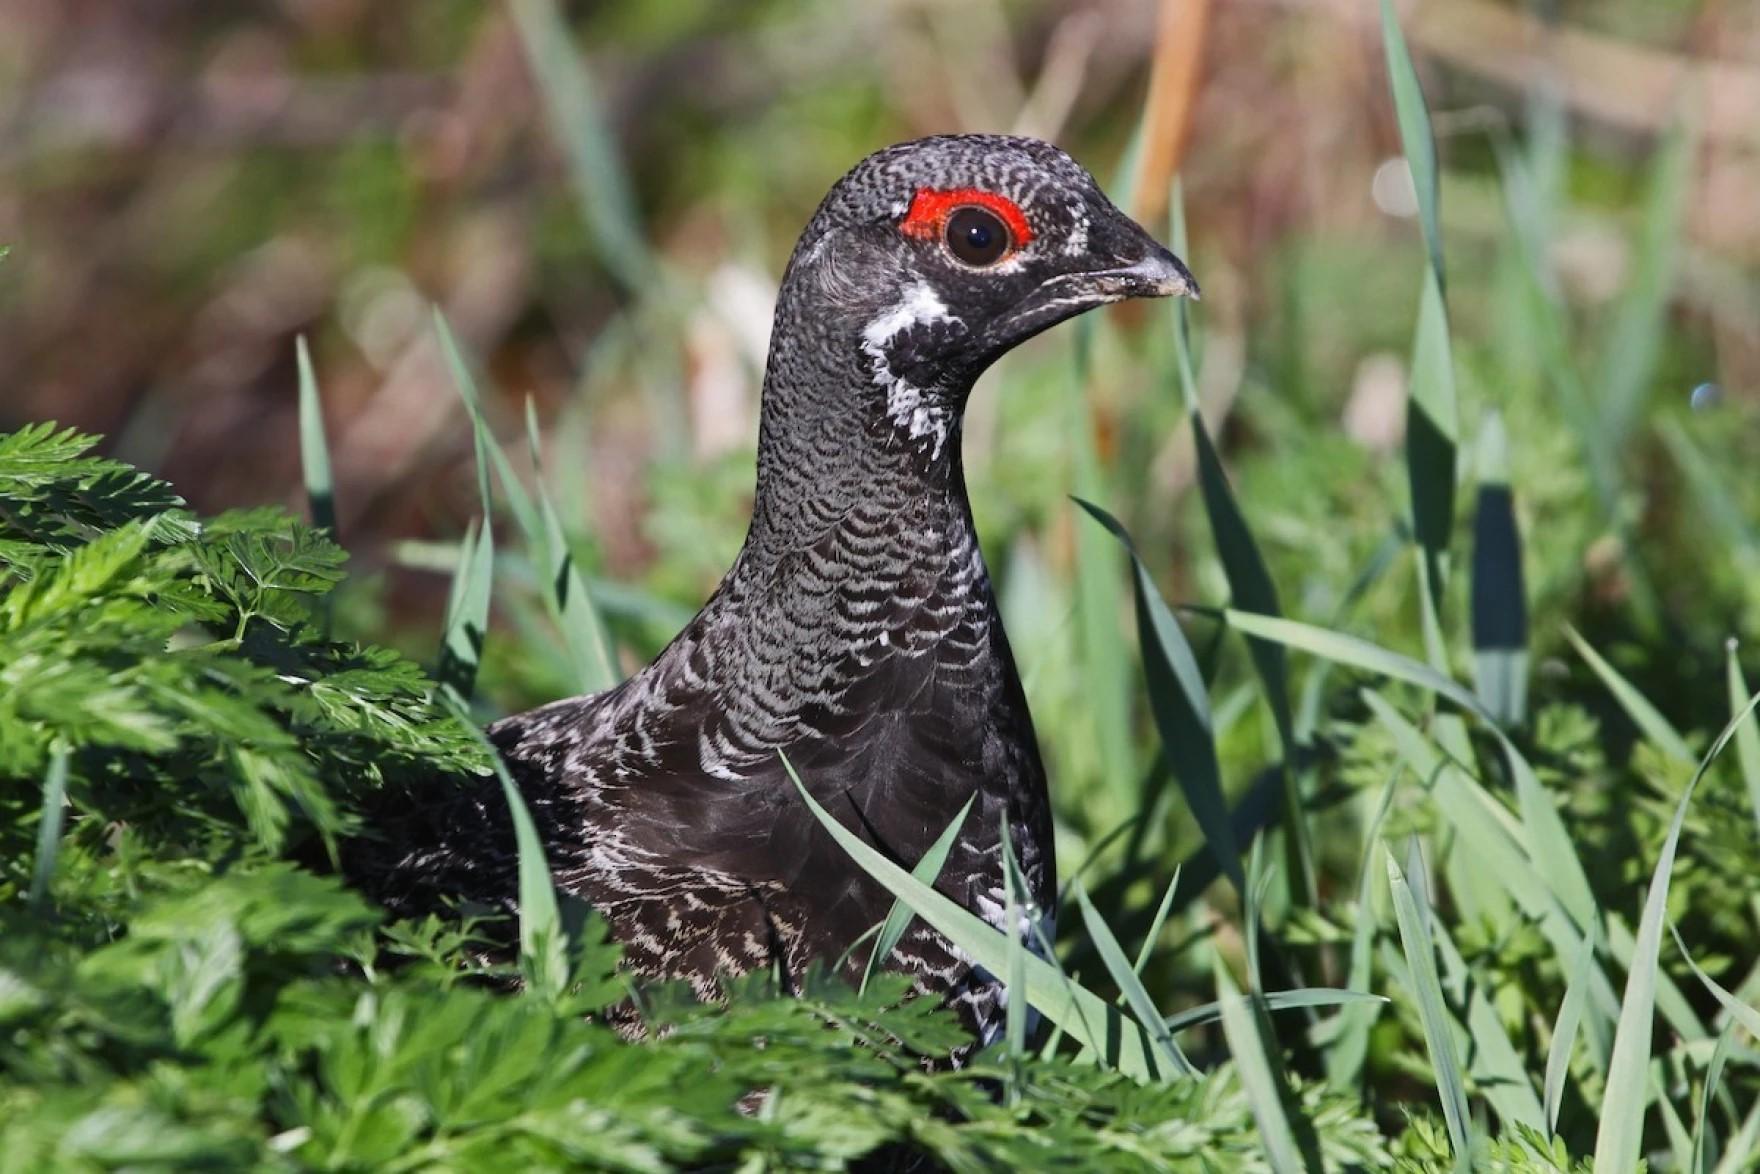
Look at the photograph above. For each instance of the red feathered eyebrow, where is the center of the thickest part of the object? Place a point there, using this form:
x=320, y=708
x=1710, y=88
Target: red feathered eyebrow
x=931, y=207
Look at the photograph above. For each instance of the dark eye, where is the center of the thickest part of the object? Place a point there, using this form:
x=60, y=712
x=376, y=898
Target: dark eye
x=977, y=236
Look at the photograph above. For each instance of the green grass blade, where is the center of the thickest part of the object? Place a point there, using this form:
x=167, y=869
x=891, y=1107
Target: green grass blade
x=1485, y=830
x=1414, y=133
x=1545, y=312
x=1432, y=1011
x=1432, y=431
x=1349, y=1045
x=564, y=590
x=1671, y=1001
x=1105, y=657
x=1252, y=902
x=1473, y=814
x=467, y=611
x=1432, y=424
x=1620, y=1137
x=1355, y=653
x=451, y=559
x=1747, y=734
x=567, y=597
x=1250, y=585
x=1564, y=1031
x=927, y=870
x=1264, y=1094
x=314, y=459
x=1499, y=607
x=1656, y=729
x=1549, y=842
x=1155, y=926
x=1251, y=589
x=314, y=450
x=1477, y=895
x=1181, y=707
x=1015, y=977
x=1739, y=1011
x=1072, y=983
x=1085, y=1017
x=1430, y=611
x=1308, y=709
x=54, y=811
x=1053, y=1041
x=577, y=120
x=1702, y=1142
x=1744, y=1147
x=1497, y=1069
x=849, y=951
x=543, y=944
x=1130, y=985
x=488, y=451
x=1680, y=1142
x=1297, y=1000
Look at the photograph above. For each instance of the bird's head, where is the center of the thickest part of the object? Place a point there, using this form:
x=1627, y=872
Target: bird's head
x=932, y=258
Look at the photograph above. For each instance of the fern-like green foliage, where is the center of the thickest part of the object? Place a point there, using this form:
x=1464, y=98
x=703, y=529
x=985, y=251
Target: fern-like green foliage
x=163, y=648
x=190, y=997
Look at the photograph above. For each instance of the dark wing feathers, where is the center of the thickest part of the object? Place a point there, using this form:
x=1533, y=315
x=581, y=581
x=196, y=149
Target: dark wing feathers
x=663, y=803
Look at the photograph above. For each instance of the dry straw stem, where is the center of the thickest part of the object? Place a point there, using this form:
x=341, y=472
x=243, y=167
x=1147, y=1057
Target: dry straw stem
x=1173, y=93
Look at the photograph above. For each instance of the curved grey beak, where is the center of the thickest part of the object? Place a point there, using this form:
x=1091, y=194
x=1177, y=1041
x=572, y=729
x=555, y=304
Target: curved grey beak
x=1158, y=275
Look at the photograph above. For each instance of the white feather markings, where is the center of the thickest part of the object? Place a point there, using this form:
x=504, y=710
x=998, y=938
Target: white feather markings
x=1037, y=930
x=919, y=304
x=915, y=414
x=1077, y=244
x=992, y=907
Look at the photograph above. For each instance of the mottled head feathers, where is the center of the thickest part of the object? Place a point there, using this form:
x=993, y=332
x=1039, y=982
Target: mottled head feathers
x=931, y=259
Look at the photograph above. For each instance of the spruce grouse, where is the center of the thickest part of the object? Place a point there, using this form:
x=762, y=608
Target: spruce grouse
x=856, y=631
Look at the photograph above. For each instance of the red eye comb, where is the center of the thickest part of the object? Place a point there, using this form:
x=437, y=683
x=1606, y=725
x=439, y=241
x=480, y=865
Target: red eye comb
x=931, y=207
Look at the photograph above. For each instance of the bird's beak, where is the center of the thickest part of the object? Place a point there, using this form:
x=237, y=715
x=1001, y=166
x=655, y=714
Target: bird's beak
x=1142, y=268
x=1159, y=274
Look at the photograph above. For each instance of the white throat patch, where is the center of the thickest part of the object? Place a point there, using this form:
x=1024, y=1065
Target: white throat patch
x=914, y=414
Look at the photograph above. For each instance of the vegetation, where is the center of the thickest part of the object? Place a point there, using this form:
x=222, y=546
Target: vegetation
x=177, y=994
x=1415, y=829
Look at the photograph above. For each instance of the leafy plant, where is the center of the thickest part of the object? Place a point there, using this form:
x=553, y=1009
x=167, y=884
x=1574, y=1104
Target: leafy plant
x=181, y=992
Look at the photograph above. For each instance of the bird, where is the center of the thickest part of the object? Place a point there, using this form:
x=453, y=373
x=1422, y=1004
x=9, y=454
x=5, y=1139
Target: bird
x=856, y=633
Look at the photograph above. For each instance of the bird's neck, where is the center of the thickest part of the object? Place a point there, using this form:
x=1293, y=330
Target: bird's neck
x=840, y=435
x=806, y=491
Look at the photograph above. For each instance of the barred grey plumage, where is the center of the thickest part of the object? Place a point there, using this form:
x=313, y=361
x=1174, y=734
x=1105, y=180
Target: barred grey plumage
x=856, y=631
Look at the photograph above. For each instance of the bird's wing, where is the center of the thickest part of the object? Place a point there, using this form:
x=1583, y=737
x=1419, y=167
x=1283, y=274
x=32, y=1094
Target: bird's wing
x=670, y=793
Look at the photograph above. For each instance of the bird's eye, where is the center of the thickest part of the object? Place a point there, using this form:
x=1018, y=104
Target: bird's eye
x=977, y=236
